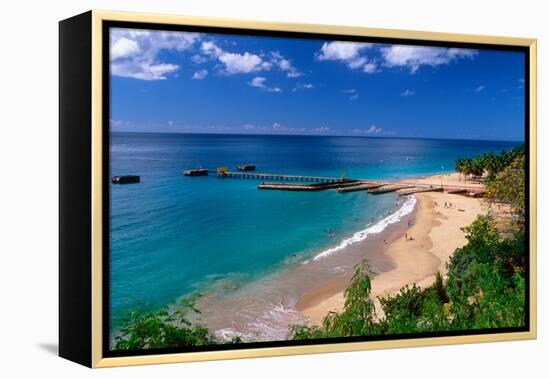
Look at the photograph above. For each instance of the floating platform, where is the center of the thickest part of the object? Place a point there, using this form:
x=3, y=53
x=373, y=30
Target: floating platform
x=306, y=187
x=360, y=186
x=389, y=188
x=196, y=172
x=406, y=192
x=246, y=167
x=128, y=179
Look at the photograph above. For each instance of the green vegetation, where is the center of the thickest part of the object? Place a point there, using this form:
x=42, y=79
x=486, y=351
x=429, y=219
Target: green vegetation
x=489, y=164
x=508, y=187
x=145, y=329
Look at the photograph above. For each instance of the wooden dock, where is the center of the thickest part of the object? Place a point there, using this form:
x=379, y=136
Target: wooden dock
x=406, y=192
x=477, y=193
x=457, y=191
x=360, y=186
x=280, y=177
x=389, y=188
x=307, y=187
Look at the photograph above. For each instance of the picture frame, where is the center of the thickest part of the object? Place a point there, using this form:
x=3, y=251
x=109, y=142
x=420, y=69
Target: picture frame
x=86, y=179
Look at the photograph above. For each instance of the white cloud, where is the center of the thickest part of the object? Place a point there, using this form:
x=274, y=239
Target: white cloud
x=348, y=53
x=241, y=63
x=134, y=53
x=143, y=70
x=370, y=67
x=284, y=64
x=259, y=82
x=354, y=95
x=357, y=63
x=408, y=92
x=123, y=47
x=210, y=48
x=412, y=57
x=199, y=75
x=117, y=122
x=322, y=129
x=480, y=88
x=275, y=128
x=198, y=59
x=245, y=62
x=372, y=130
x=303, y=86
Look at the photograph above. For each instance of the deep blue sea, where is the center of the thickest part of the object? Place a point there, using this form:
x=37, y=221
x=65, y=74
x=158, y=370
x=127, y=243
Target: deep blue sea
x=171, y=235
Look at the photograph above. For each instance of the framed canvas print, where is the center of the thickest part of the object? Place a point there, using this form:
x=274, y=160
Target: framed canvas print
x=235, y=189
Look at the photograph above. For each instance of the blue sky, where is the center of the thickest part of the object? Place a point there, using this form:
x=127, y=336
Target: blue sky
x=213, y=83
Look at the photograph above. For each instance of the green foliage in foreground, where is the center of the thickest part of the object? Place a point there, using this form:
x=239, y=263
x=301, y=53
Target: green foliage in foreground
x=485, y=289
x=145, y=329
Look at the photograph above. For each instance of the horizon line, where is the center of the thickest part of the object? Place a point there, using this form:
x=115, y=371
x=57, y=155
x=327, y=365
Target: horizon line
x=314, y=135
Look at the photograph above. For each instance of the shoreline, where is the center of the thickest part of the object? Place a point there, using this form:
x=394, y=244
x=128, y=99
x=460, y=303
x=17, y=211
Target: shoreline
x=436, y=232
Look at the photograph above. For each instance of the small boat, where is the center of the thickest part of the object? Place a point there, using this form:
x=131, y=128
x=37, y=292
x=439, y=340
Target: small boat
x=196, y=172
x=128, y=179
x=246, y=167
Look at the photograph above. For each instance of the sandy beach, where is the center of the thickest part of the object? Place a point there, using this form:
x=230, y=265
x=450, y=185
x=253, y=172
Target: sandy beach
x=436, y=233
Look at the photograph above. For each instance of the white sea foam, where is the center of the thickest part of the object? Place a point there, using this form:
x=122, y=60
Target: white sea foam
x=263, y=324
x=405, y=209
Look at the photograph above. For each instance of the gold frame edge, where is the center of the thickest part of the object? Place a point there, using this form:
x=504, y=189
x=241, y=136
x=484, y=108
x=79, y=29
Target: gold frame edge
x=98, y=16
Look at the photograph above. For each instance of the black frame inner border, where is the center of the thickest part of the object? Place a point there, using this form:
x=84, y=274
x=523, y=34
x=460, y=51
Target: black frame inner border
x=107, y=25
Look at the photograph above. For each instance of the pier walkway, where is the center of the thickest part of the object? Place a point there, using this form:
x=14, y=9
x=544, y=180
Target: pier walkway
x=280, y=177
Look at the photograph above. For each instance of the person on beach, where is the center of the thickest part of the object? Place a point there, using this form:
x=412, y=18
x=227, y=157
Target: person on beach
x=406, y=236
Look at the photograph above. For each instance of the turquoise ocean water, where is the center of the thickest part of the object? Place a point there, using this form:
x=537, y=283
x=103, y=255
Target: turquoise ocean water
x=172, y=235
